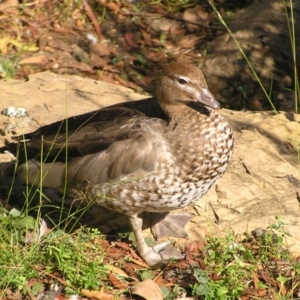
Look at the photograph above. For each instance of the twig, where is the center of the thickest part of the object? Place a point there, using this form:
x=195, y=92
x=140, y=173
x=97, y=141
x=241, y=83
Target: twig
x=93, y=19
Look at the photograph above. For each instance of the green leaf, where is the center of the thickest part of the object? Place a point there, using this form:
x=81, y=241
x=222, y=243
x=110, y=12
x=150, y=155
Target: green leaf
x=15, y=213
x=27, y=222
x=147, y=275
x=37, y=288
x=222, y=290
x=202, y=289
x=164, y=290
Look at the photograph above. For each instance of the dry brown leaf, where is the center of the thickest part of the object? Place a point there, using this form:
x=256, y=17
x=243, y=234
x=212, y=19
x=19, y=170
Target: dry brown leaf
x=188, y=256
x=140, y=263
x=188, y=41
x=130, y=269
x=43, y=41
x=185, y=298
x=146, y=37
x=97, y=294
x=77, y=14
x=77, y=65
x=134, y=255
x=60, y=45
x=117, y=271
x=262, y=292
x=163, y=24
x=122, y=245
x=35, y=60
x=124, y=82
x=255, y=281
x=117, y=282
x=115, y=7
x=148, y=289
x=9, y=6
x=99, y=49
x=195, y=15
x=249, y=293
x=176, y=31
x=196, y=246
x=60, y=297
x=98, y=62
x=129, y=40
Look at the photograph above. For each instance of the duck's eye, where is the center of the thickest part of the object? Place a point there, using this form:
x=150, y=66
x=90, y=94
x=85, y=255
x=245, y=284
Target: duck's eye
x=182, y=81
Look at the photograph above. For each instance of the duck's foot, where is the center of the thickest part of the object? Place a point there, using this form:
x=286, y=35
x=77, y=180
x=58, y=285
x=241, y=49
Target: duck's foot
x=170, y=224
x=157, y=255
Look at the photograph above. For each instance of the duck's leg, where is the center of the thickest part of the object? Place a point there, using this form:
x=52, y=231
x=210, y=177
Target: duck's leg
x=156, y=255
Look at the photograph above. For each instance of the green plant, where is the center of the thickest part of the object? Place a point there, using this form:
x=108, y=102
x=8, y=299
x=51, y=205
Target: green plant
x=229, y=263
x=176, y=292
x=207, y=288
x=76, y=259
x=271, y=243
x=7, y=69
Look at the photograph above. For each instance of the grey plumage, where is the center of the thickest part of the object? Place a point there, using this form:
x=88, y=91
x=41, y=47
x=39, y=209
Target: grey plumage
x=134, y=163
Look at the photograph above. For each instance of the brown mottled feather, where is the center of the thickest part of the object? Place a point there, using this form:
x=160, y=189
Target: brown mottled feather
x=130, y=162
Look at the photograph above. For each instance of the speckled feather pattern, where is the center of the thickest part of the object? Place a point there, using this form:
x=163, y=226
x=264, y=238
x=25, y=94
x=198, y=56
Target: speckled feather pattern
x=150, y=164
x=186, y=162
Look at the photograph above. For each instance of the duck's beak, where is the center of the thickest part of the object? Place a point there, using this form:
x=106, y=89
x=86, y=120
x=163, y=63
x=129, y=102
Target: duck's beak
x=208, y=99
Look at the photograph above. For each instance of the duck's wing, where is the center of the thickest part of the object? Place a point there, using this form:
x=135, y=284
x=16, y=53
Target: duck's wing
x=132, y=148
x=88, y=133
x=81, y=134
x=99, y=152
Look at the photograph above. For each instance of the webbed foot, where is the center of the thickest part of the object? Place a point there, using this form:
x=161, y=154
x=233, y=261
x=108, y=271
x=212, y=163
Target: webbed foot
x=154, y=256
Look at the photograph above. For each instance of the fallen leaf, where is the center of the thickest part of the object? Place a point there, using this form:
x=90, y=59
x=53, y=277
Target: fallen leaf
x=35, y=60
x=97, y=294
x=148, y=289
x=78, y=65
x=146, y=37
x=43, y=41
x=188, y=256
x=115, y=7
x=9, y=6
x=111, y=252
x=255, y=281
x=98, y=62
x=122, y=245
x=117, y=282
x=118, y=271
x=131, y=269
x=99, y=49
x=188, y=41
x=129, y=40
x=195, y=15
x=185, y=298
x=140, y=263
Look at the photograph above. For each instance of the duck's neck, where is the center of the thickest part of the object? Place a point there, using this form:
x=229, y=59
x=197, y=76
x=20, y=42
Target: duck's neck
x=181, y=113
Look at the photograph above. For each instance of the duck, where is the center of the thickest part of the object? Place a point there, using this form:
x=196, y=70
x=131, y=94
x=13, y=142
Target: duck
x=132, y=163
